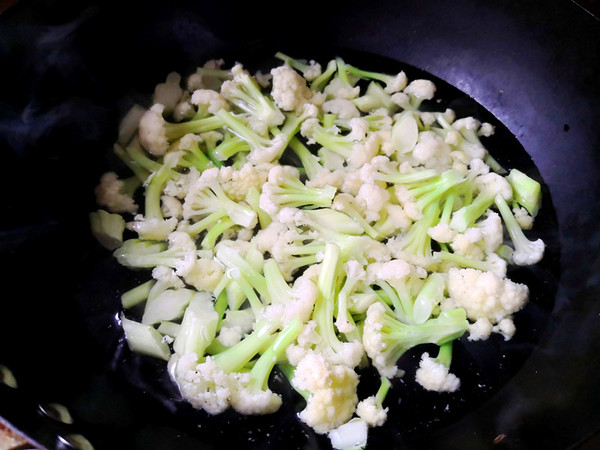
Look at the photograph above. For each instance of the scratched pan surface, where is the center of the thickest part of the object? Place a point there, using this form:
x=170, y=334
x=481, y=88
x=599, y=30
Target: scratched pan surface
x=68, y=71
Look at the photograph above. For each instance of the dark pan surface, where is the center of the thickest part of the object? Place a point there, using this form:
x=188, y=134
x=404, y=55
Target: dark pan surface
x=68, y=72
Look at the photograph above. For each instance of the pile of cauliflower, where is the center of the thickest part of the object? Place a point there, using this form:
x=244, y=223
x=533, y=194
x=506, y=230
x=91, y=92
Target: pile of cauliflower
x=312, y=220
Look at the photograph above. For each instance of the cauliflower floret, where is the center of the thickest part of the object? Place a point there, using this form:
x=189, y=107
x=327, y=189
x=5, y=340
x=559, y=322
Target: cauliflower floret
x=171, y=206
x=464, y=244
x=432, y=152
x=408, y=202
x=523, y=218
x=492, y=231
x=205, y=275
x=152, y=228
x=506, y=327
x=364, y=152
x=442, y=233
x=325, y=177
x=184, y=109
x=152, y=132
x=237, y=183
x=422, y=89
x=289, y=91
x=249, y=401
x=332, y=392
x=434, y=376
x=129, y=124
x=395, y=269
x=480, y=330
x=210, y=100
x=108, y=194
x=342, y=107
x=372, y=198
x=485, y=294
x=371, y=411
x=338, y=89
x=359, y=128
x=304, y=294
x=205, y=386
x=169, y=92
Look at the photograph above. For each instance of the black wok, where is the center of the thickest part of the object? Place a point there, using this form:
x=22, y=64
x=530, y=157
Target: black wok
x=69, y=70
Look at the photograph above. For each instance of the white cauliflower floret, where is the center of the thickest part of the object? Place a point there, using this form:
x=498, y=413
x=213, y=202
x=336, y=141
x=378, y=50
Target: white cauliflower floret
x=237, y=183
x=303, y=296
x=249, y=401
x=408, y=202
x=169, y=92
x=205, y=386
x=289, y=91
x=210, y=100
x=372, y=198
x=152, y=132
x=180, y=186
x=396, y=84
x=359, y=128
x=492, y=231
x=108, y=194
x=432, y=152
x=373, y=342
x=325, y=177
x=422, y=89
x=230, y=336
x=205, y=275
x=480, y=330
x=442, y=233
x=395, y=269
x=171, y=206
x=364, y=152
x=184, y=109
x=464, y=244
x=485, y=294
x=153, y=228
x=338, y=89
x=343, y=108
x=523, y=218
x=434, y=376
x=129, y=124
x=204, y=80
x=506, y=327
x=371, y=411
x=332, y=392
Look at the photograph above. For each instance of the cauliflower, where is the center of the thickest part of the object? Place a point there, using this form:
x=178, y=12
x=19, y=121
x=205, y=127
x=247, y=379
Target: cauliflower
x=205, y=386
x=372, y=412
x=373, y=199
x=209, y=100
x=480, y=330
x=434, y=376
x=341, y=107
x=153, y=228
x=289, y=90
x=205, y=274
x=153, y=136
x=422, y=89
x=432, y=152
x=168, y=93
x=109, y=193
x=332, y=392
x=321, y=219
x=486, y=295
x=237, y=183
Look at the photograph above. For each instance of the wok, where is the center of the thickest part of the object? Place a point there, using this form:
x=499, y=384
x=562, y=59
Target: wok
x=69, y=70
